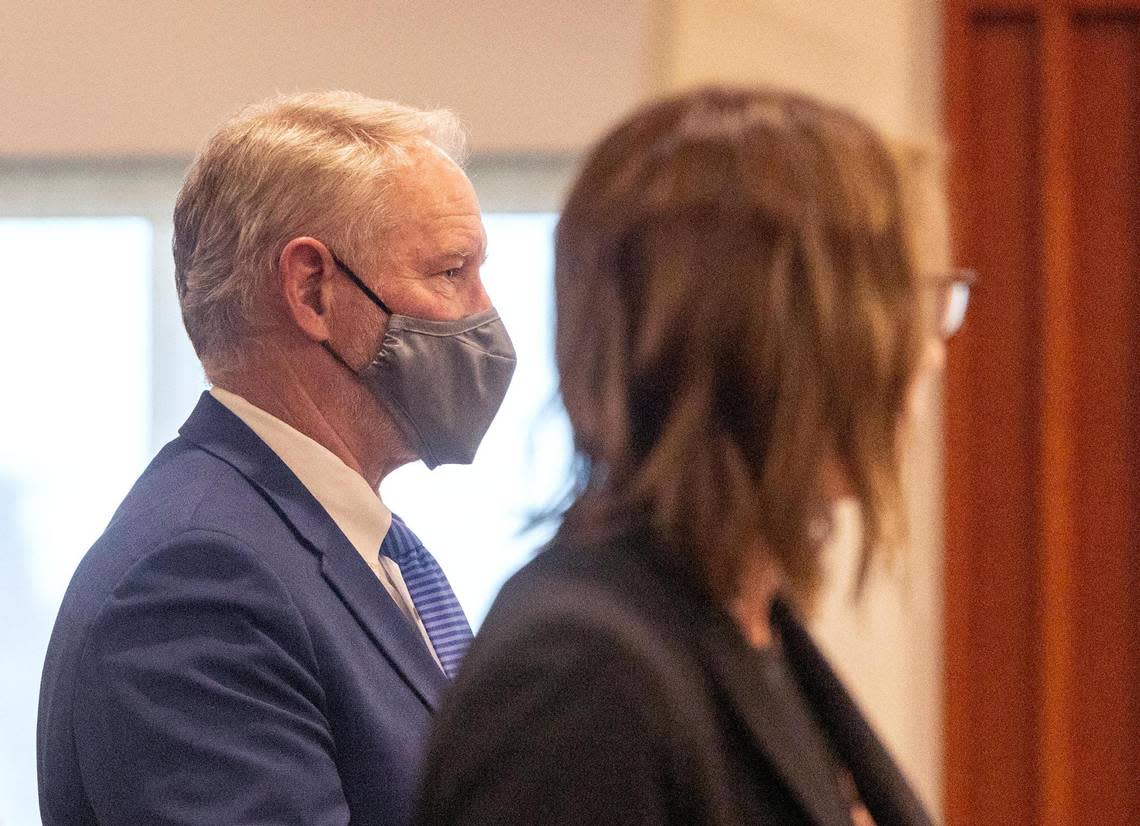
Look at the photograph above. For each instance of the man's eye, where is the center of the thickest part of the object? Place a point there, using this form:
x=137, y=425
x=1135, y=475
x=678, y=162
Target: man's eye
x=454, y=272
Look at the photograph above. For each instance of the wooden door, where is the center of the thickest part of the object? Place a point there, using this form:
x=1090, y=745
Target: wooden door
x=1042, y=655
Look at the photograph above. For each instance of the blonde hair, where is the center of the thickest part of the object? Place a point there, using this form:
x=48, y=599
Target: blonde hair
x=737, y=312
x=307, y=164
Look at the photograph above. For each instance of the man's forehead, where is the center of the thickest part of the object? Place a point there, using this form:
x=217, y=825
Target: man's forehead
x=434, y=186
x=424, y=162
x=433, y=200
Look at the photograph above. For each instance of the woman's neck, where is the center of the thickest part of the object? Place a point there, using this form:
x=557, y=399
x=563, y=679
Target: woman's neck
x=759, y=581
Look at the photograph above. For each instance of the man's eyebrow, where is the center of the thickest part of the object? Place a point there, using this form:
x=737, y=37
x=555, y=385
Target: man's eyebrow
x=466, y=254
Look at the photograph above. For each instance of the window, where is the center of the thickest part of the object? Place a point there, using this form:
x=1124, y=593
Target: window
x=75, y=354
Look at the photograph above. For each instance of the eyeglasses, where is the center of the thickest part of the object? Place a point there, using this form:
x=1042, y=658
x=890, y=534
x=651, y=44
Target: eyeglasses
x=950, y=295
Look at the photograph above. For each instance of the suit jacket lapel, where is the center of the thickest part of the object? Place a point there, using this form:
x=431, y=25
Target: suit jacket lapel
x=218, y=431
x=882, y=787
x=815, y=788
x=733, y=671
x=400, y=641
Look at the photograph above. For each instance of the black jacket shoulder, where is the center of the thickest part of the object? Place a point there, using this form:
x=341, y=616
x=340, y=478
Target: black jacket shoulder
x=604, y=687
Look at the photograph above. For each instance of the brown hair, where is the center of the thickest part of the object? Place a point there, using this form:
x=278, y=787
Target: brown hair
x=736, y=315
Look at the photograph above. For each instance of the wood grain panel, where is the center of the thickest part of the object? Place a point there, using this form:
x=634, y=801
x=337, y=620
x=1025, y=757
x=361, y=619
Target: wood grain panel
x=993, y=369
x=1106, y=181
x=1057, y=459
x=1043, y=414
x=957, y=737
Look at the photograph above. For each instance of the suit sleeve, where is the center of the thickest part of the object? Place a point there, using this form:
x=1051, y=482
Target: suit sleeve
x=555, y=726
x=198, y=701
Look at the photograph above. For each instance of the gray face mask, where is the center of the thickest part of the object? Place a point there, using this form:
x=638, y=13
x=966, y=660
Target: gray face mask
x=442, y=381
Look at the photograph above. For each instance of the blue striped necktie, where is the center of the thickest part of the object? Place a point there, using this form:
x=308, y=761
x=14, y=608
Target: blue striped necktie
x=431, y=593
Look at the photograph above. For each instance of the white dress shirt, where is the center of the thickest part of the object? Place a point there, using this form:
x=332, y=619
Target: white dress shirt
x=344, y=494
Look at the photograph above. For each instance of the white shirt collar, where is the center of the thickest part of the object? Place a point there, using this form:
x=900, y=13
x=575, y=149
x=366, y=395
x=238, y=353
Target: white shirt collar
x=344, y=494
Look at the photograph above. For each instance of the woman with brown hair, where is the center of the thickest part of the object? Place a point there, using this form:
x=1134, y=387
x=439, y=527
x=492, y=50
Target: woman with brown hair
x=740, y=326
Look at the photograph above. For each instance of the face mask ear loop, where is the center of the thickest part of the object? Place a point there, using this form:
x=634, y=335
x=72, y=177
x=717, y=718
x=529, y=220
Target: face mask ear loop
x=364, y=288
x=375, y=299
x=341, y=361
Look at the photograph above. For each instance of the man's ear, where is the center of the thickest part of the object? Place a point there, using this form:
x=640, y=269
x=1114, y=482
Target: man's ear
x=306, y=271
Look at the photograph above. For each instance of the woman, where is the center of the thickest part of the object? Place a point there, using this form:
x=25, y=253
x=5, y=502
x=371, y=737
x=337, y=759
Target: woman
x=739, y=330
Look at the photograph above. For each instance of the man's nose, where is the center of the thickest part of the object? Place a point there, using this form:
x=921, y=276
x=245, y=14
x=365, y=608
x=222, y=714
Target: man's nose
x=480, y=301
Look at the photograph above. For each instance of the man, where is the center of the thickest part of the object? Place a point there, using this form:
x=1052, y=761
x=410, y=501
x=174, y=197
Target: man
x=256, y=638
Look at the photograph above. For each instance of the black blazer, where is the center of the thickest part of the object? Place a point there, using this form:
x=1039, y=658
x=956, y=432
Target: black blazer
x=605, y=687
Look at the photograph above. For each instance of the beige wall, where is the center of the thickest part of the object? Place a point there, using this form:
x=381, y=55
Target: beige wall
x=879, y=57
x=90, y=78
x=99, y=77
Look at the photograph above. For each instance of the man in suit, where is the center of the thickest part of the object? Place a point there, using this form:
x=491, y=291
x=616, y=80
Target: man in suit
x=255, y=638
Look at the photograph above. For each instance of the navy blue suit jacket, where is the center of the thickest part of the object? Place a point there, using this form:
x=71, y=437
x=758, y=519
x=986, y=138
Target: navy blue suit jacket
x=224, y=656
